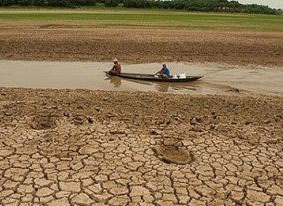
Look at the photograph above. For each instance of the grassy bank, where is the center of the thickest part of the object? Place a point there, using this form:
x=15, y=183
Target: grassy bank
x=153, y=18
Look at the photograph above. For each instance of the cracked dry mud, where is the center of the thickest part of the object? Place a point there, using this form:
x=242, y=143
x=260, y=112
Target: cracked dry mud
x=77, y=147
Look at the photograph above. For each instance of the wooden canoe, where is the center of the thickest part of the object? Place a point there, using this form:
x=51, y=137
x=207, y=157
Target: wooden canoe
x=151, y=77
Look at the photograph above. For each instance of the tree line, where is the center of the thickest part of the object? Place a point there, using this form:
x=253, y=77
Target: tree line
x=201, y=5
x=48, y=3
x=187, y=5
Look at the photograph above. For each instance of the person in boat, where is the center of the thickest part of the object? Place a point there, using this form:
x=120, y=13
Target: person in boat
x=116, y=67
x=164, y=72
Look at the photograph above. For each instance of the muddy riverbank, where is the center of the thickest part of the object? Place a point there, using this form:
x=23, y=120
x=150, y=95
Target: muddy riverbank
x=138, y=45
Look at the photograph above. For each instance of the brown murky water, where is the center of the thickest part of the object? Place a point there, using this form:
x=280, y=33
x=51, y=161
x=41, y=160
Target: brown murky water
x=218, y=79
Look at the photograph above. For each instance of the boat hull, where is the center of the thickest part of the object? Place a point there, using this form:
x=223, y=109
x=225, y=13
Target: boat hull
x=150, y=77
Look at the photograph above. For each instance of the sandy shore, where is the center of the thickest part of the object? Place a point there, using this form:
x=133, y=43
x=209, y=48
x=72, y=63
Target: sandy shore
x=139, y=45
x=79, y=147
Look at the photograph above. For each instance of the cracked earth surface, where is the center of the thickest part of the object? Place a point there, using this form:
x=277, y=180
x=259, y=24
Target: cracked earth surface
x=77, y=147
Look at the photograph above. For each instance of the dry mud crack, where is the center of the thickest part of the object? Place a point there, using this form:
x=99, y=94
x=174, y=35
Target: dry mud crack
x=100, y=151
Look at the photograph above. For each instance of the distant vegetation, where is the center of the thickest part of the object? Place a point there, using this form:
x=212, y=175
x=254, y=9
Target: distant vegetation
x=187, y=5
x=50, y=3
x=201, y=5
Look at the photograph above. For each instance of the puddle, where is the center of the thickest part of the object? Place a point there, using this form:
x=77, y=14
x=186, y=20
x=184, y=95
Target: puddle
x=218, y=79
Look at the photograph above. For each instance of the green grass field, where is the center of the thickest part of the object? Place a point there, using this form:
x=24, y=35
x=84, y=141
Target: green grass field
x=152, y=18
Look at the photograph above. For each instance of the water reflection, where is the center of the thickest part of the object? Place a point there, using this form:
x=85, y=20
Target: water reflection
x=116, y=81
x=155, y=86
x=162, y=87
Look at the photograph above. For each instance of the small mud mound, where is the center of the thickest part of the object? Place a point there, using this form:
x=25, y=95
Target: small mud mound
x=171, y=154
x=50, y=26
x=81, y=119
x=232, y=89
x=43, y=122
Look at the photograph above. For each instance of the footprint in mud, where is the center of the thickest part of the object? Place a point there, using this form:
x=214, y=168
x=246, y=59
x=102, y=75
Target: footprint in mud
x=171, y=154
x=43, y=122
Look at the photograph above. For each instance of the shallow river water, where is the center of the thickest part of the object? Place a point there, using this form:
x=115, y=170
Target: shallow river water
x=218, y=79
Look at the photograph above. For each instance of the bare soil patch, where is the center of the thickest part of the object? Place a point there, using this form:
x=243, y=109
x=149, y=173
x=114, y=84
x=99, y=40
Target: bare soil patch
x=137, y=45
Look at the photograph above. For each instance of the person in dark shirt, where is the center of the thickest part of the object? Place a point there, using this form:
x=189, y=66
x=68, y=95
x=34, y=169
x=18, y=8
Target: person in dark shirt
x=164, y=72
x=116, y=67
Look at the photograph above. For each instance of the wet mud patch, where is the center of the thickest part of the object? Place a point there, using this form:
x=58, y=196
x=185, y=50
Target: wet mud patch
x=43, y=122
x=173, y=154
